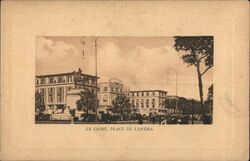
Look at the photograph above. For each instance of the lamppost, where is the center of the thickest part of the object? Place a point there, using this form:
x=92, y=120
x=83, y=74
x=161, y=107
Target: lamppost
x=192, y=110
x=96, y=85
x=176, y=88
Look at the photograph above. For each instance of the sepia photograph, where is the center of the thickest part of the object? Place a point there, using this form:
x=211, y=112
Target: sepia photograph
x=124, y=80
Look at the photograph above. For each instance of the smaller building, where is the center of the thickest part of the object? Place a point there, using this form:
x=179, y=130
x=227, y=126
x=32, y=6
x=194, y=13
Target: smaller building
x=108, y=91
x=149, y=101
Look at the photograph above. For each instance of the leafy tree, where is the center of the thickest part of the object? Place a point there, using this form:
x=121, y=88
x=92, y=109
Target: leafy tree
x=87, y=102
x=170, y=103
x=210, y=93
x=39, y=103
x=198, y=53
x=196, y=107
x=209, y=101
x=121, y=106
x=185, y=105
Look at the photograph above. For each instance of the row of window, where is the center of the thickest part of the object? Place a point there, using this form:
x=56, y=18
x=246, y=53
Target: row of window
x=147, y=94
x=68, y=79
x=141, y=103
x=51, y=94
x=54, y=80
x=112, y=89
x=51, y=97
x=104, y=98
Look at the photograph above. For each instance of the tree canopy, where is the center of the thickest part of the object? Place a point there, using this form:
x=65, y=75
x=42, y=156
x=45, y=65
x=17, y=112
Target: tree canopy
x=87, y=102
x=210, y=93
x=198, y=49
x=39, y=103
x=121, y=105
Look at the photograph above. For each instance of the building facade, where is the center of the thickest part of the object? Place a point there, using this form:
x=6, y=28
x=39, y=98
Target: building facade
x=54, y=87
x=108, y=91
x=149, y=101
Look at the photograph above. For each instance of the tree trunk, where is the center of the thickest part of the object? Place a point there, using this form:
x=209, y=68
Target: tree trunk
x=201, y=91
x=192, y=110
x=122, y=114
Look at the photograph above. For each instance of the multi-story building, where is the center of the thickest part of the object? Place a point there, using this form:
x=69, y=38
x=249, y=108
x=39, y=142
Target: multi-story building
x=108, y=91
x=54, y=87
x=149, y=101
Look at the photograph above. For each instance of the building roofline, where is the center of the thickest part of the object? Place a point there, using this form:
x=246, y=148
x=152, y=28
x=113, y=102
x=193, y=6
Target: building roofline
x=147, y=90
x=109, y=83
x=54, y=74
x=103, y=82
x=67, y=73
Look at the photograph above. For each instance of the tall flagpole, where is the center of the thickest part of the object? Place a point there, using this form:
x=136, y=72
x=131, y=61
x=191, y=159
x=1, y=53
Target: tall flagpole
x=176, y=89
x=96, y=79
x=176, y=80
x=83, y=53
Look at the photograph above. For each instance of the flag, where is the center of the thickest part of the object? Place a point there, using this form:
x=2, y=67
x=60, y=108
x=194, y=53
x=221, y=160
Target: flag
x=83, y=54
x=83, y=43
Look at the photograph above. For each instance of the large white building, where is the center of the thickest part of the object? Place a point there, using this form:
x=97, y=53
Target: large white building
x=54, y=87
x=149, y=101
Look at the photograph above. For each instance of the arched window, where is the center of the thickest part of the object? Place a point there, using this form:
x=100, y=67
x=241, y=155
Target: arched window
x=51, y=80
x=42, y=81
x=69, y=79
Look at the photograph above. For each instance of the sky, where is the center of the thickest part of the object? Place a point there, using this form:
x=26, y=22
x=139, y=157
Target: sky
x=142, y=63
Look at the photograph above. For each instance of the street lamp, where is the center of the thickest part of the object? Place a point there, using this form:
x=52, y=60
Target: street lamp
x=176, y=87
x=96, y=38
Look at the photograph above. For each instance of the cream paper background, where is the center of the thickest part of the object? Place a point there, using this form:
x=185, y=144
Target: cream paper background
x=22, y=21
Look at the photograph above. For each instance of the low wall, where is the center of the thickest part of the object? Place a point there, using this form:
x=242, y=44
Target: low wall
x=61, y=117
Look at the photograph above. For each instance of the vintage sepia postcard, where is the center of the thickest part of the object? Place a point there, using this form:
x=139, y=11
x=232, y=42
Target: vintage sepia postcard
x=124, y=80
